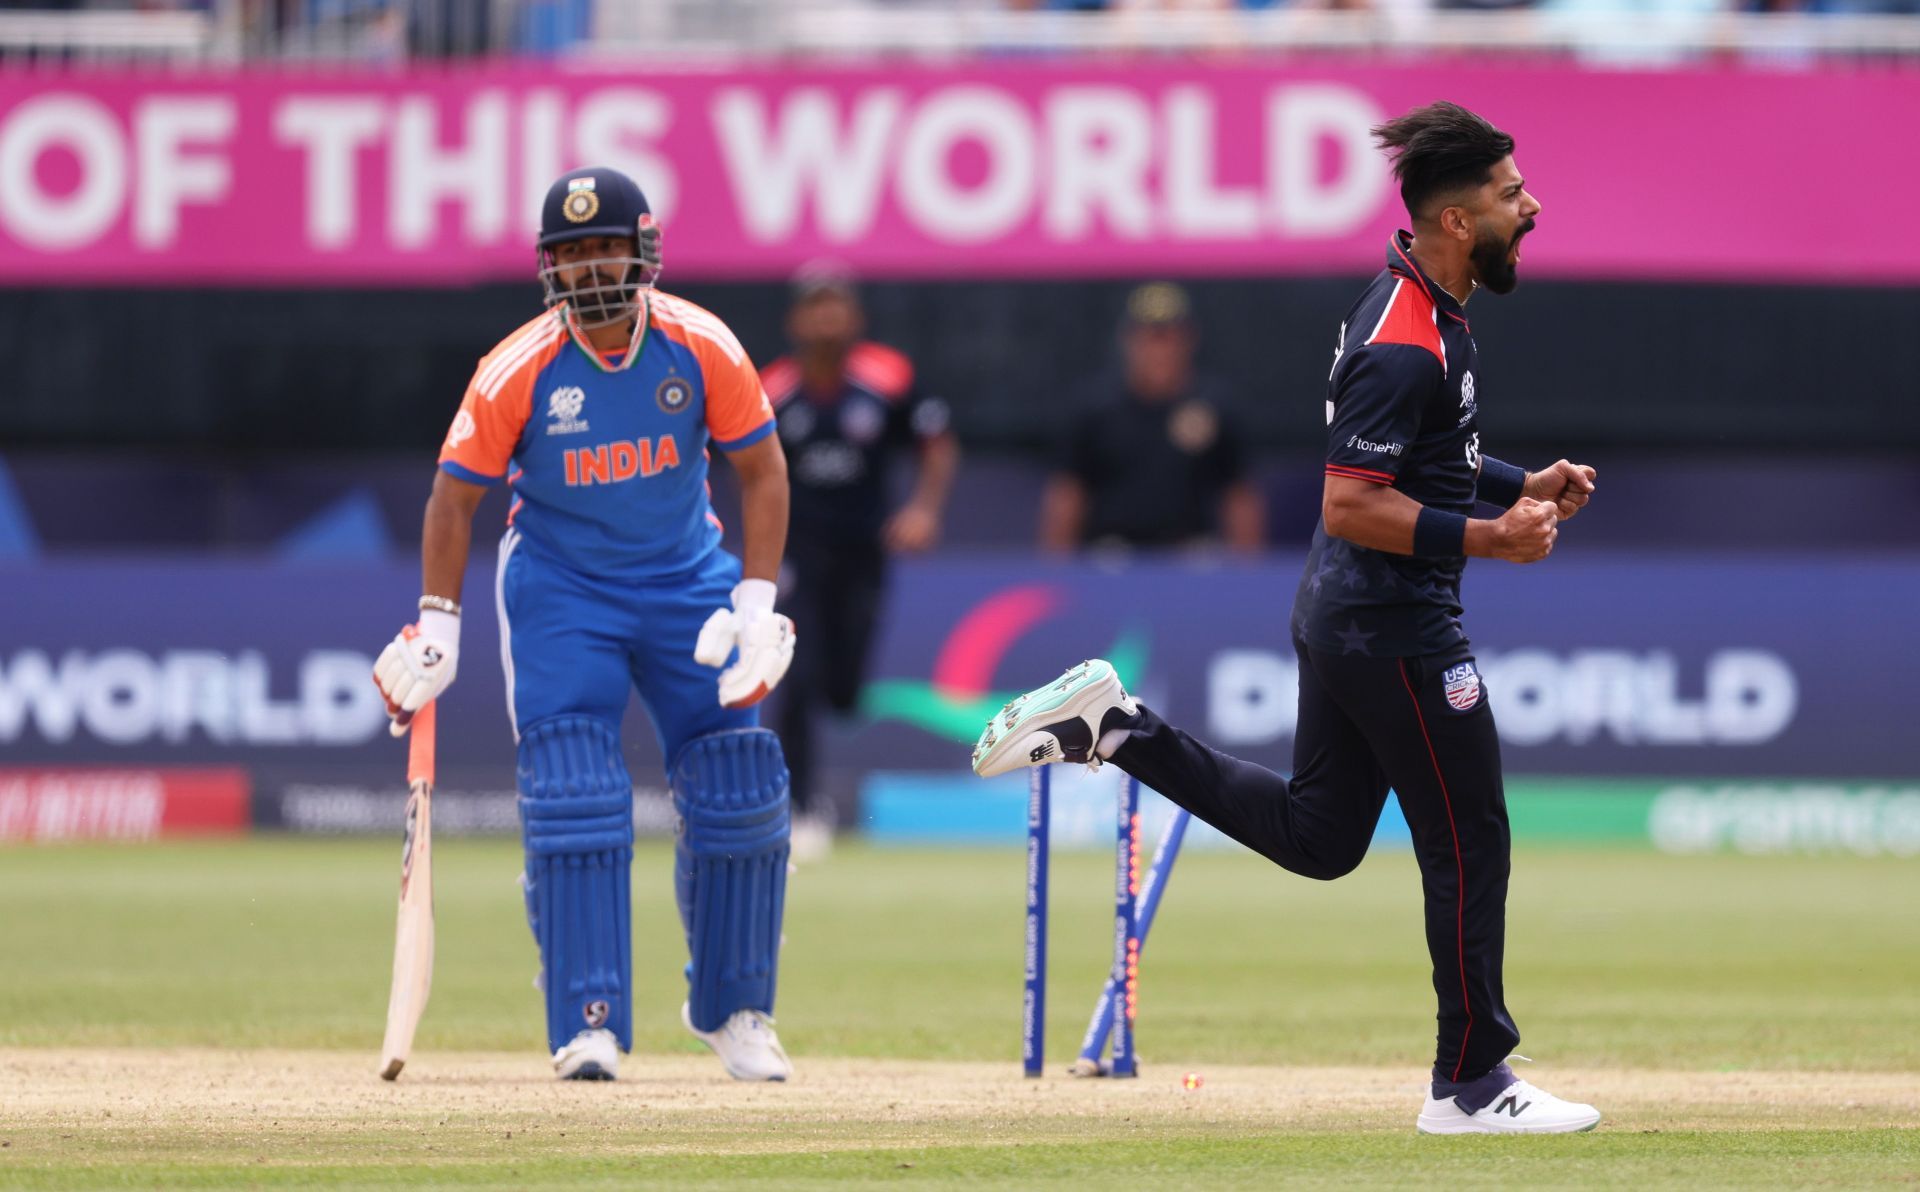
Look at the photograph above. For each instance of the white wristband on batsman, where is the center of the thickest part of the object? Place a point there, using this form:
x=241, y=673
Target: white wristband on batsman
x=754, y=594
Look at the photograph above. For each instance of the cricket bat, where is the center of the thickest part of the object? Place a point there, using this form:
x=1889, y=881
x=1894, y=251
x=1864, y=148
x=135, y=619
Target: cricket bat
x=413, y=933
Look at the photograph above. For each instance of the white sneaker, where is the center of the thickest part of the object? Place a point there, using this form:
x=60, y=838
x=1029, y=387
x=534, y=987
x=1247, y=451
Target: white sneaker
x=592, y=1055
x=1056, y=723
x=811, y=838
x=746, y=1045
x=1519, y=1109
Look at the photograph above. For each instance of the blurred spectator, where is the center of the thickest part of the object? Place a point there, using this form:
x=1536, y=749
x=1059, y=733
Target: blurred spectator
x=1638, y=34
x=1152, y=456
x=1481, y=5
x=1856, y=7
x=846, y=407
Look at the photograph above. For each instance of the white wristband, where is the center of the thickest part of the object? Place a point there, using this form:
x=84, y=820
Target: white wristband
x=754, y=593
x=436, y=624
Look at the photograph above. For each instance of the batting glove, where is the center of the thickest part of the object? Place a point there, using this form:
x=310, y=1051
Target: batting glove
x=763, y=638
x=417, y=666
x=646, y=246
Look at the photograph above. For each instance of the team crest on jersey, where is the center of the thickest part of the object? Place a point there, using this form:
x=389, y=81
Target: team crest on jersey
x=580, y=205
x=1462, y=687
x=796, y=421
x=674, y=395
x=1193, y=427
x=563, y=406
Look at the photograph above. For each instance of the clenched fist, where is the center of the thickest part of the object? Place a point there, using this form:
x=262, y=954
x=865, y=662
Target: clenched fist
x=763, y=637
x=417, y=665
x=1524, y=533
x=1566, y=485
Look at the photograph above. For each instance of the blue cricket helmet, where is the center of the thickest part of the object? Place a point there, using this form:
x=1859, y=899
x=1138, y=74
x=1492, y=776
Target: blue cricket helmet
x=592, y=202
x=598, y=202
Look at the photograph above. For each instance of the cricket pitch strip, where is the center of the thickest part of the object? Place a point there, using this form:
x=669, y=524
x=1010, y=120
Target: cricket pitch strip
x=102, y=1105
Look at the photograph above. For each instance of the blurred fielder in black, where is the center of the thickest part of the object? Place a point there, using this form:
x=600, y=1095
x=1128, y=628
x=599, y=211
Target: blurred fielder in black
x=848, y=408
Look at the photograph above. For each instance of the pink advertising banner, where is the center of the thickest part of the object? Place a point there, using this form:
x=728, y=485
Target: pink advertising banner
x=985, y=170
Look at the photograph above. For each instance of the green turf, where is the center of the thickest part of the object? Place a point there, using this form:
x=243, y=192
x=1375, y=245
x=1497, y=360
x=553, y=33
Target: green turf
x=1616, y=960
x=1625, y=959
x=1771, y=1159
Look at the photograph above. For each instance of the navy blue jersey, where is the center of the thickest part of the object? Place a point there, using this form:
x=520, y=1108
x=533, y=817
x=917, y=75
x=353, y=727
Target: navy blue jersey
x=1154, y=471
x=1402, y=410
x=839, y=442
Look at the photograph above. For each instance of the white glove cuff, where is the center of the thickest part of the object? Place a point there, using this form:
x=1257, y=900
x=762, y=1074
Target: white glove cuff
x=436, y=624
x=754, y=594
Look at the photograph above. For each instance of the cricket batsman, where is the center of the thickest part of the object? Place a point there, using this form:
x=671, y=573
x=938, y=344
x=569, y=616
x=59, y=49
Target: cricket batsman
x=1390, y=696
x=599, y=414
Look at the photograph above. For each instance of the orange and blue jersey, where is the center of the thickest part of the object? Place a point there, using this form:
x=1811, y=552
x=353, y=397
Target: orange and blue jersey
x=607, y=459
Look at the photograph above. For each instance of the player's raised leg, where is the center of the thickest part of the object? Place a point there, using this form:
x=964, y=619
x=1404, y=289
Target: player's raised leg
x=1319, y=825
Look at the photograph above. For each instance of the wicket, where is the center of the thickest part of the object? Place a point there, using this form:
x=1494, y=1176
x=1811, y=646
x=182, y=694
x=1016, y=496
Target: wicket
x=1134, y=904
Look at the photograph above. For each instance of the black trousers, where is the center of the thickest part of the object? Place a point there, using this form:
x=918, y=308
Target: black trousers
x=835, y=604
x=1367, y=724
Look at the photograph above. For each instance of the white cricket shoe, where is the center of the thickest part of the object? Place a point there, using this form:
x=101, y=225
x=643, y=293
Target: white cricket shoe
x=1519, y=1109
x=1056, y=723
x=746, y=1045
x=592, y=1055
x=810, y=838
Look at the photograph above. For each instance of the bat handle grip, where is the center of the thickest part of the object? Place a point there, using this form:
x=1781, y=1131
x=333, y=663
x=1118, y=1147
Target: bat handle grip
x=420, y=746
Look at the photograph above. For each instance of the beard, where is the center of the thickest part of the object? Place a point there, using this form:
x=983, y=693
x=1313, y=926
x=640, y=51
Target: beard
x=824, y=350
x=598, y=299
x=1490, y=263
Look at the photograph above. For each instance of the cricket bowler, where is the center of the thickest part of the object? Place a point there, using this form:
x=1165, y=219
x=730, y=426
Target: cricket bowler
x=1390, y=697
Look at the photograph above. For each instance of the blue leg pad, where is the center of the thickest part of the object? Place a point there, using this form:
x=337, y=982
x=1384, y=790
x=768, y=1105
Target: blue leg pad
x=576, y=818
x=730, y=869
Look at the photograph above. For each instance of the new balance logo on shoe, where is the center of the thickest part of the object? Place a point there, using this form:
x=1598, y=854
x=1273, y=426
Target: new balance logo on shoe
x=1520, y=1108
x=1041, y=752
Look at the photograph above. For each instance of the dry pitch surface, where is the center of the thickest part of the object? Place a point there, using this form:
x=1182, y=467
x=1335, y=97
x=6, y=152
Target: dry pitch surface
x=199, y=1116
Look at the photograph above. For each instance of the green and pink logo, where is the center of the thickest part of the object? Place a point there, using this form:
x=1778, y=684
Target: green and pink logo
x=955, y=702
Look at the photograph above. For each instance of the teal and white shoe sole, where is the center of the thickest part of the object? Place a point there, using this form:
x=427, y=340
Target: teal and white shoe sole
x=1090, y=688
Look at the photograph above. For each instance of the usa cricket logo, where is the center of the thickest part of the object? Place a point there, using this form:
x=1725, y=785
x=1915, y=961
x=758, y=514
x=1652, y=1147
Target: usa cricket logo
x=407, y=841
x=1462, y=687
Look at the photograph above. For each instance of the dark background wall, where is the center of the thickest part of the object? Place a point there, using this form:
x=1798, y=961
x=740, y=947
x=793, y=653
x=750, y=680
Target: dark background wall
x=1732, y=416
x=1688, y=368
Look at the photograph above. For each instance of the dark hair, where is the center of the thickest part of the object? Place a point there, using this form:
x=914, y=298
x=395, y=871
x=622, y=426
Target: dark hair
x=1439, y=150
